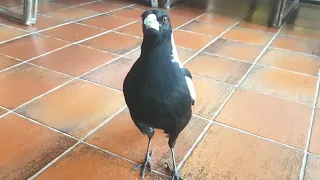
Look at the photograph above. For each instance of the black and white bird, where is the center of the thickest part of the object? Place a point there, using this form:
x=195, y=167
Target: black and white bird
x=158, y=90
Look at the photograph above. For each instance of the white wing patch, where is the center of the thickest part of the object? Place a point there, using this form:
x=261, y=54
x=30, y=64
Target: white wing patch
x=175, y=59
x=191, y=88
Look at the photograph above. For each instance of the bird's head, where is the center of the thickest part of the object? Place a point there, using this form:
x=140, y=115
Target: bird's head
x=156, y=25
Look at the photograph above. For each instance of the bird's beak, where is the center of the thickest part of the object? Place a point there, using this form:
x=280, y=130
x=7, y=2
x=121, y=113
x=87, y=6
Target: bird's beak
x=151, y=22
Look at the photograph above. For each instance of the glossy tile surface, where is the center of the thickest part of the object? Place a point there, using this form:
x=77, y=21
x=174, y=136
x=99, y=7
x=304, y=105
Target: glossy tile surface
x=228, y=153
x=29, y=148
x=256, y=90
x=133, y=144
x=218, y=68
x=74, y=60
x=32, y=80
x=84, y=107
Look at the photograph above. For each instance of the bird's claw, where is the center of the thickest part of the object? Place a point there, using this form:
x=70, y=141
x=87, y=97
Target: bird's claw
x=145, y=165
x=174, y=173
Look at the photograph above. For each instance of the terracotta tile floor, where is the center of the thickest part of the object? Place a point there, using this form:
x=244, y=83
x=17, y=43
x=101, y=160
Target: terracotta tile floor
x=63, y=115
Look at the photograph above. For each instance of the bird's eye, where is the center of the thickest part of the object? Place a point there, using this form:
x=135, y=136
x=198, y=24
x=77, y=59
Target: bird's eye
x=165, y=19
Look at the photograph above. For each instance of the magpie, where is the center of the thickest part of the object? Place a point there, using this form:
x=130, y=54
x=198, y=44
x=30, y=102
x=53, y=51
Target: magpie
x=158, y=90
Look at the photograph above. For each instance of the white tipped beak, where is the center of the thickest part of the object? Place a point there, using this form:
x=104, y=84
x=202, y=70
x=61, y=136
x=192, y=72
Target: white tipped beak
x=151, y=22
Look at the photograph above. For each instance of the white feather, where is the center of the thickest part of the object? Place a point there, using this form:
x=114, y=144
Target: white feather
x=175, y=59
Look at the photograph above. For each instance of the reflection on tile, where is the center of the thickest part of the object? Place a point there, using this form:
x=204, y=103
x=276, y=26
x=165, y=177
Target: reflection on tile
x=112, y=74
x=249, y=36
x=268, y=116
x=101, y=6
x=134, y=29
x=30, y=46
x=121, y=44
x=218, y=68
x=235, y=49
x=298, y=45
x=204, y=28
x=314, y=140
x=70, y=14
x=74, y=60
x=27, y=147
x=76, y=108
x=312, y=171
x=85, y=162
x=6, y=62
x=133, y=144
x=107, y=21
x=210, y=96
x=194, y=41
x=73, y=32
x=25, y=82
x=218, y=19
x=224, y=153
x=292, y=61
x=301, y=32
x=130, y=13
x=8, y=33
x=280, y=83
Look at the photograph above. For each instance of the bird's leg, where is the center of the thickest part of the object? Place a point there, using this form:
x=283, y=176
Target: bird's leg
x=175, y=175
x=147, y=162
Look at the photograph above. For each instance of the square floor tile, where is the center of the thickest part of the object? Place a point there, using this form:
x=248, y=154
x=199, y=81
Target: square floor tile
x=130, y=13
x=25, y=82
x=185, y=54
x=27, y=147
x=46, y=7
x=249, y=36
x=6, y=62
x=224, y=153
x=70, y=14
x=218, y=19
x=2, y=111
x=210, y=96
x=274, y=118
x=8, y=33
x=314, y=141
x=43, y=22
x=30, y=46
x=74, y=60
x=134, y=29
x=301, y=32
x=100, y=6
x=112, y=74
x=218, y=68
x=114, y=43
x=85, y=162
x=73, y=32
x=292, y=86
x=134, y=54
x=234, y=49
x=296, y=44
x=76, y=108
x=133, y=145
x=292, y=61
x=204, y=28
x=312, y=171
x=107, y=21
x=194, y=41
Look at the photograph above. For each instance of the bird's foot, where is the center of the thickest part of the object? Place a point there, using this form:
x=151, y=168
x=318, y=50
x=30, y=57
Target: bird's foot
x=174, y=173
x=145, y=165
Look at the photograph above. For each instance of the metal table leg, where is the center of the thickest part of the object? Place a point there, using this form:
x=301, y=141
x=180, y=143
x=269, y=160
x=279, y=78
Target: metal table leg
x=280, y=11
x=29, y=16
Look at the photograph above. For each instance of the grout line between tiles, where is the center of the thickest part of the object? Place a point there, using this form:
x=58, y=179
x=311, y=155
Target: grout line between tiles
x=305, y=156
x=53, y=161
x=247, y=132
x=232, y=92
x=272, y=67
